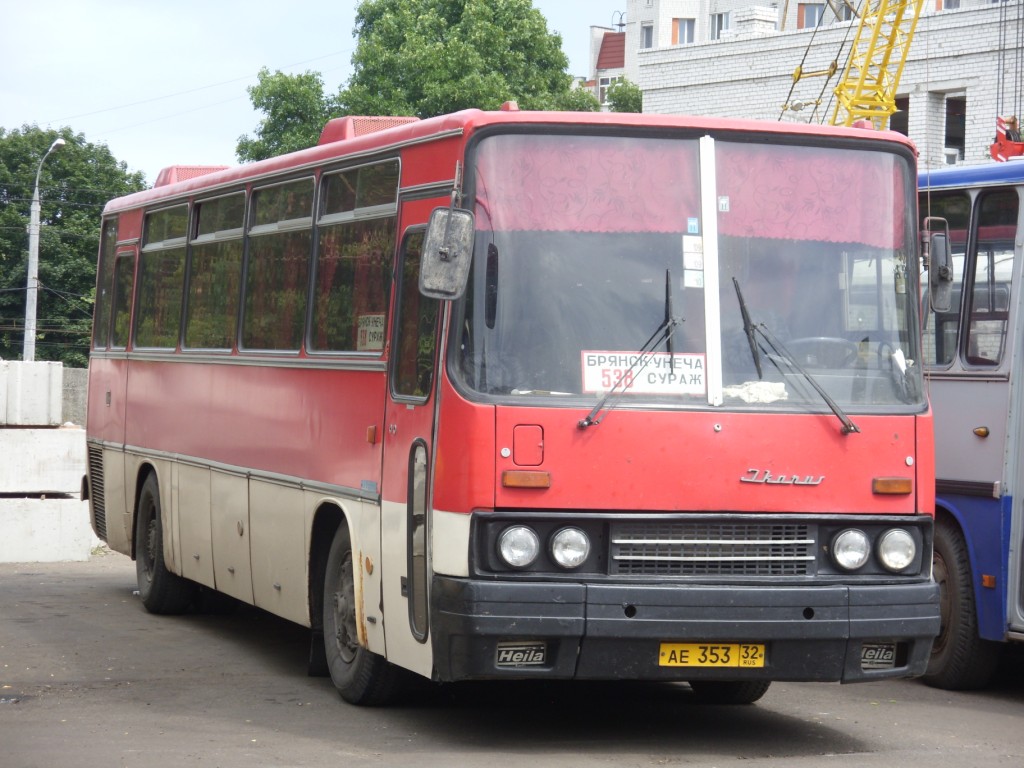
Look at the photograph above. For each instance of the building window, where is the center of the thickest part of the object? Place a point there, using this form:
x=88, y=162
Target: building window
x=682, y=31
x=719, y=24
x=646, y=35
x=604, y=83
x=809, y=15
x=956, y=125
x=847, y=12
x=899, y=120
x=948, y=5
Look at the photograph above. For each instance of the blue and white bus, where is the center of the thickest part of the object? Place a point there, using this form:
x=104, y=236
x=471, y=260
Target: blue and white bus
x=974, y=361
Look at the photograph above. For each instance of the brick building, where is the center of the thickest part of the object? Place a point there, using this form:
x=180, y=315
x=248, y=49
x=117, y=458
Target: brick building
x=729, y=58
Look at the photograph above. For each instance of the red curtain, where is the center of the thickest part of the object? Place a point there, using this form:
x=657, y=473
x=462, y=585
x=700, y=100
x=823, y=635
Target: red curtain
x=606, y=184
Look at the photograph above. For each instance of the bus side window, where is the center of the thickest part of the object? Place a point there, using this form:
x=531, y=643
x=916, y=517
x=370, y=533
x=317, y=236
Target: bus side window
x=104, y=286
x=276, y=267
x=161, y=278
x=415, y=327
x=990, y=297
x=942, y=330
x=215, y=273
x=124, y=275
x=357, y=227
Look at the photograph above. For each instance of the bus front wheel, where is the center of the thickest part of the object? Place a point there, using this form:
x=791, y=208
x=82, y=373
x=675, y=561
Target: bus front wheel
x=960, y=659
x=361, y=676
x=160, y=590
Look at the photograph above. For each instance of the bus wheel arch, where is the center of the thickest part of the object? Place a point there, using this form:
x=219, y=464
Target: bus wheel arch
x=960, y=658
x=326, y=521
x=143, y=473
x=160, y=590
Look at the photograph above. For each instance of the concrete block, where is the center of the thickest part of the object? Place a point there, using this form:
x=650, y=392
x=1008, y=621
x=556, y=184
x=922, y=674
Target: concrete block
x=76, y=384
x=36, y=461
x=45, y=531
x=31, y=394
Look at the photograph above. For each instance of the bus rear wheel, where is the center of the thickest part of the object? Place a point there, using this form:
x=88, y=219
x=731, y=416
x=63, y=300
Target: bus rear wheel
x=960, y=659
x=160, y=590
x=729, y=691
x=361, y=676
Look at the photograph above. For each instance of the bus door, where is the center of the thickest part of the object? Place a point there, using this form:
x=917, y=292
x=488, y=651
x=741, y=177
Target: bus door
x=1010, y=240
x=969, y=347
x=408, y=455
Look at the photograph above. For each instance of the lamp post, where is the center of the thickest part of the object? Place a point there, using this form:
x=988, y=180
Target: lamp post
x=28, y=353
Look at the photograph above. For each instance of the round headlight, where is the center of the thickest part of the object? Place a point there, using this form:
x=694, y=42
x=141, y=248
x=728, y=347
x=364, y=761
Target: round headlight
x=570, y=547
x=518, y=546
x=850, y=549
x=897, y=549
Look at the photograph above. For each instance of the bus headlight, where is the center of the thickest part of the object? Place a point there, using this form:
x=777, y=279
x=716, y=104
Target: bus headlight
x=850, y=549
x=570, y=547
x=518, y=546
x=896, y=549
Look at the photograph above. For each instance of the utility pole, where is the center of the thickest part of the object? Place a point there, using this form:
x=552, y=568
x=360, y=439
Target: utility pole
x=28, y=353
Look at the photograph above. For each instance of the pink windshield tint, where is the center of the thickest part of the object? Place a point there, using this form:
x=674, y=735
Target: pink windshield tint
x=616, y=184
x=588, y=184
x=810, y=193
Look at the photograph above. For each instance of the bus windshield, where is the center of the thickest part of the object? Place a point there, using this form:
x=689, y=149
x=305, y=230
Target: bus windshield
x=595, y=268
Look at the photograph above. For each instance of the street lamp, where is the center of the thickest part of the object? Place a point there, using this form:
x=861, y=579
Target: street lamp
x=28, y=353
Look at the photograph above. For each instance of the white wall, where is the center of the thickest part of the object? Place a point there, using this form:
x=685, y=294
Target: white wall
x=953, y=53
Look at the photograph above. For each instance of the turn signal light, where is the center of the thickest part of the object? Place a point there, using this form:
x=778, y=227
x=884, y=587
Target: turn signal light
x=893, y=486
x=521, y=478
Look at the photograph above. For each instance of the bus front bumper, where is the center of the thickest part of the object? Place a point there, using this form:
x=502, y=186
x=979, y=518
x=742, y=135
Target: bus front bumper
x=495, y=629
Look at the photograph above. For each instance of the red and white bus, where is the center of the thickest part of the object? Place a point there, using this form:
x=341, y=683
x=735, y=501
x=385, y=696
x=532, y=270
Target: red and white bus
x=506, y=395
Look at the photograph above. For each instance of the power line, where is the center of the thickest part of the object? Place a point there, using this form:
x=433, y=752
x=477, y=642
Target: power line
x=191, y=90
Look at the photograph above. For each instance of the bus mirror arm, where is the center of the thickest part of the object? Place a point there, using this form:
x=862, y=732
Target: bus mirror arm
x=938, y=261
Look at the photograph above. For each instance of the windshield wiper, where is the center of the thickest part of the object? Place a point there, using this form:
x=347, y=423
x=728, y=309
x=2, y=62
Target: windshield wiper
x=779, y=349
x=752, y=330
x=663, y=333
x=748, y=328
x=669, y=345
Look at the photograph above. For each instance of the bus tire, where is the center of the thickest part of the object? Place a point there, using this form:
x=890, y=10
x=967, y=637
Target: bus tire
x=960, y=659
x=160, y=590
x=729, y=691
x=361, y=676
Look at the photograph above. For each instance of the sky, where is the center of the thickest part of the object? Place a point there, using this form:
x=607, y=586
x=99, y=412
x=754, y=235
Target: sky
x=163, y=82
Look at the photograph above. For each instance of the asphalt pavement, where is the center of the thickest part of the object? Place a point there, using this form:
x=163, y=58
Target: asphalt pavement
x=88, y=678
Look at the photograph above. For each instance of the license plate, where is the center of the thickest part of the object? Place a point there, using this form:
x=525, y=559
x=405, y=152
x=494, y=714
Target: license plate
x=711, y=655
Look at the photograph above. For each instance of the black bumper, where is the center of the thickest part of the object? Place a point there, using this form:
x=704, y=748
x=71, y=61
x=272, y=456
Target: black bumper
x=614, y=632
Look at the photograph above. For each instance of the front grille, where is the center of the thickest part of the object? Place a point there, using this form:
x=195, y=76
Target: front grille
x=96, y=494
x=711, y=549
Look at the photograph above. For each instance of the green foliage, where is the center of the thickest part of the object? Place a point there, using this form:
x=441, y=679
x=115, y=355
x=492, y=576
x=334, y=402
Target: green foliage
x=431, y=57
x=75, y=183
x=422, y=58
x=296, y=110
x=578, y=100
x=624, y=96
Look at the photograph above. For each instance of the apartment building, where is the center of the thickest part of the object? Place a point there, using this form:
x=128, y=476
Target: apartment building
x=732, y=58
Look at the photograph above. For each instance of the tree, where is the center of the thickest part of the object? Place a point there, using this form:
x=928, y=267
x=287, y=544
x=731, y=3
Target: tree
x=74, y=185
x=624, y=96
x=431, y=57
x=296, y=110
x=422, y=58
x=578, y=100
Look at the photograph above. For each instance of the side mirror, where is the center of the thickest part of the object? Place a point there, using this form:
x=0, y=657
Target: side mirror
x=447, y=253
x=938, y=260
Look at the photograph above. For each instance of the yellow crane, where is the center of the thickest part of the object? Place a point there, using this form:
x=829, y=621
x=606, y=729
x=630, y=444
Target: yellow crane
x=867, y=87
